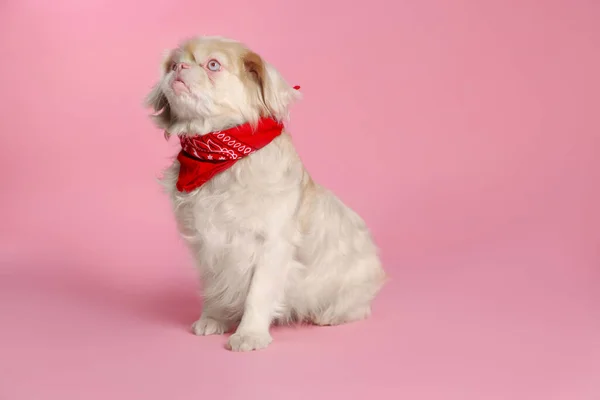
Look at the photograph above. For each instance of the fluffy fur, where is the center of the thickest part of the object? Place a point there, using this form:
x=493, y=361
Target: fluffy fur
x=271, y=245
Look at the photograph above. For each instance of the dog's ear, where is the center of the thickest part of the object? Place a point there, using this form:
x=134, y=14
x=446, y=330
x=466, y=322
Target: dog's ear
x=275, y=93
x=157, y=100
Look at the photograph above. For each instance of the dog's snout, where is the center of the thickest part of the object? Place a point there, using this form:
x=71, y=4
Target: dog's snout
x=182, y=65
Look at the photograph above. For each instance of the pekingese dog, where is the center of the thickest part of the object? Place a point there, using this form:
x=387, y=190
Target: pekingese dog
x=271, y=245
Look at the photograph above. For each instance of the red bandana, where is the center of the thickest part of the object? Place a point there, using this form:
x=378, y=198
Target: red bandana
x=203, y=156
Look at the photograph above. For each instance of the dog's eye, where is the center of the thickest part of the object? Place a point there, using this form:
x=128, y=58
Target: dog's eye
x=213, y=65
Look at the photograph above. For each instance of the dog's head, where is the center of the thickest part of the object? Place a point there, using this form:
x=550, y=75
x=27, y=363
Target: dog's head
x=211, y=83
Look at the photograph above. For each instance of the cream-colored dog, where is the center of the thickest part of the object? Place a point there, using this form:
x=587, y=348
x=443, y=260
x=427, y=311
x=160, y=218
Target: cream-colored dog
x=271, y=245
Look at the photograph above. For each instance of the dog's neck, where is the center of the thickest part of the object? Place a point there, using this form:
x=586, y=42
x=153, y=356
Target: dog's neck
x=202, y=157
x=202, y=126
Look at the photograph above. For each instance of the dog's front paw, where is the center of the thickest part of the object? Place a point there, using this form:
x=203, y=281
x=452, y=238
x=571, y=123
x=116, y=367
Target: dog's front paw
x=248, y=341
x=208, y=326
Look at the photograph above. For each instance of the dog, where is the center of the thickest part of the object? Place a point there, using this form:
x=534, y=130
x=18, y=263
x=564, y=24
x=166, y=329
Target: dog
x=271, y=245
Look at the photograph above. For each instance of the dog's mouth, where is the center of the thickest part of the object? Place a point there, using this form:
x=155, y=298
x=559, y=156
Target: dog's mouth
x=179, y=86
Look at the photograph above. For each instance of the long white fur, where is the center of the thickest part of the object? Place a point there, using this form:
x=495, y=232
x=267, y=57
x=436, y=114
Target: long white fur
x=270, y=244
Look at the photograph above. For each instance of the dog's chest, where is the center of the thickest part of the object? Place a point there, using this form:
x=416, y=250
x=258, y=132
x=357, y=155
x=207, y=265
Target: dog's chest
x=231, y=215
x=231, y=210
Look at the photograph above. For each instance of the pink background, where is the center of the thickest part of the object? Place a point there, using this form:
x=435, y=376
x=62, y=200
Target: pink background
x=465, y=132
